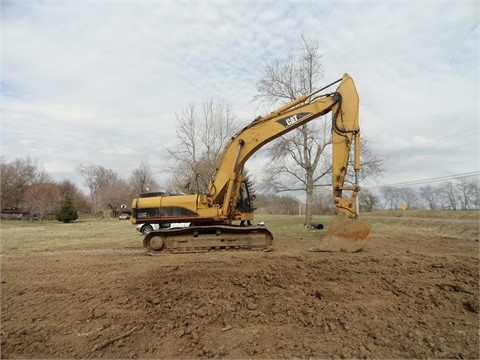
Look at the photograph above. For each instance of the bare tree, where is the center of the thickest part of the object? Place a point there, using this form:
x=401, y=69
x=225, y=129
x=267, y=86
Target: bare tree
x=430, y=196
x=42, y=199
x=105, y=186
x=114, y=194
x=394, y=197
x=297, y=154
x=293, y=152
x=301, y=160
x=16, y=176
x=373, y=163
x=476, y=199
x=202, y=135
x=276, y=204
x=141, y=179
x=449, y=197
x=460, y=195
x=286, y=79
x=467, y=193
x=368, y=201
x=322, y=202
x=408, y=197
x=391, y=197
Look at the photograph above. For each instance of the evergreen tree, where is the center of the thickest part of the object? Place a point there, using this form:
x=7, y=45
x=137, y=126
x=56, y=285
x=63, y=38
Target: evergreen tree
x=68, y=212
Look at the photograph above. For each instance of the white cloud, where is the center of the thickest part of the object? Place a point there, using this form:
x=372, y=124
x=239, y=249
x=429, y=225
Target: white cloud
x=100, y=82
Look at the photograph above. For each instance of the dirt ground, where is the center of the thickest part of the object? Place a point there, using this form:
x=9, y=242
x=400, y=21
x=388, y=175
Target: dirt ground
x=399, y=298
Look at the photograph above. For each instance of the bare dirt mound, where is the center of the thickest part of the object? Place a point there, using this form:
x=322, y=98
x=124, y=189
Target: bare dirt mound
x=400, y=298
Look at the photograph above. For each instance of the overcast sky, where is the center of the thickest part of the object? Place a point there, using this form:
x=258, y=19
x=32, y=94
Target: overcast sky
x=99, y=82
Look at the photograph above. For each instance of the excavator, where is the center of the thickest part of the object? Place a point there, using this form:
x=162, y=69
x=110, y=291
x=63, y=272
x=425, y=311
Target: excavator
x=212, y=216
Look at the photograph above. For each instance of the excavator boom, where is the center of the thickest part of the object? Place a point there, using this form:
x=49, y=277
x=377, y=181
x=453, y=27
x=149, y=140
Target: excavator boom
x=212, y=215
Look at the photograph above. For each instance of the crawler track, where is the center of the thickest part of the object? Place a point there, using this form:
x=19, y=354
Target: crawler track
x=209, y=238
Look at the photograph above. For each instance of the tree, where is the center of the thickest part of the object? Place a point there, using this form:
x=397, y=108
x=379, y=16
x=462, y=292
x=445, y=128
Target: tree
x=394, y=197
x=430, y=196
x=67, y=212
x=391, y=197
x=141, y=179
x=460, y=195
x=113, y=195
x=11, y=190
x=16, y=176
x=300, y=160
x=373, y=163
x=297, y=154
x=202, y=135
x=476, y=199
x=408, y=197
x=276, y=204
x=42, y=199
x=448, y=194
x=69, y=190
x=467, y=193
x=322, y=201
x=368, y=201
x=91, y=177
x=107, y=189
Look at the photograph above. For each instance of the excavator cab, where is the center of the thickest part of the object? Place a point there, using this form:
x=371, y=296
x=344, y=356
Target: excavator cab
x=245, y=204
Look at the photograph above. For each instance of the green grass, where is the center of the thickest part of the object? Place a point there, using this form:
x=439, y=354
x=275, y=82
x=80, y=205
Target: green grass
x=442, y=228
x=428, y=214
x=21, y=236
x=450, y=224
x=54, y=235
x=292, y=225
x=386, y=223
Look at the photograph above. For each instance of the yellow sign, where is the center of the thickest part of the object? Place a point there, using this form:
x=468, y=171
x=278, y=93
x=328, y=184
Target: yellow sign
x=403, y=207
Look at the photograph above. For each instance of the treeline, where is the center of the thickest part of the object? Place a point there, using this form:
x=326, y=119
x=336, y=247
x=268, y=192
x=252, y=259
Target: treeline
x=27, y=189
x=462, y=194
x=276, y=204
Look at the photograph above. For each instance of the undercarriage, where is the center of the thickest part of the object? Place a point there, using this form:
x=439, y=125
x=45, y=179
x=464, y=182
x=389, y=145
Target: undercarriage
x=209, y=238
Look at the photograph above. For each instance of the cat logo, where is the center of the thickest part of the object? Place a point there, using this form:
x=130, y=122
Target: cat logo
x=291, y=120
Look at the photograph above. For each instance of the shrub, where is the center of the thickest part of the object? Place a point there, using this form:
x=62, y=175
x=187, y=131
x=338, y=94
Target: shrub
x=68, y=212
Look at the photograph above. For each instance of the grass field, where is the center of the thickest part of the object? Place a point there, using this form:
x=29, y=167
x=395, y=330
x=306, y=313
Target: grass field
x=96, y=233
x=428, y=214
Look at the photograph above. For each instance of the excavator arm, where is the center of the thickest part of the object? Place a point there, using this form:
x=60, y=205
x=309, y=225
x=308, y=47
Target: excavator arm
x=343, y=104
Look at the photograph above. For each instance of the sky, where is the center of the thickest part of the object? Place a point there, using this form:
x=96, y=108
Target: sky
x=100, y=82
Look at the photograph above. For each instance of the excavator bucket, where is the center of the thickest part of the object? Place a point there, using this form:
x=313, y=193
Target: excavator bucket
x=344, y=235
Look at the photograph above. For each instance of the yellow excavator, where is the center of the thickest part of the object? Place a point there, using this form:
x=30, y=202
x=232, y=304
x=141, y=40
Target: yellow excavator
x=211, y=216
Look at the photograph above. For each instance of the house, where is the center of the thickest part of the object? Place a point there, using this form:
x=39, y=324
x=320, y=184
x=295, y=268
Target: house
x=15, y=214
